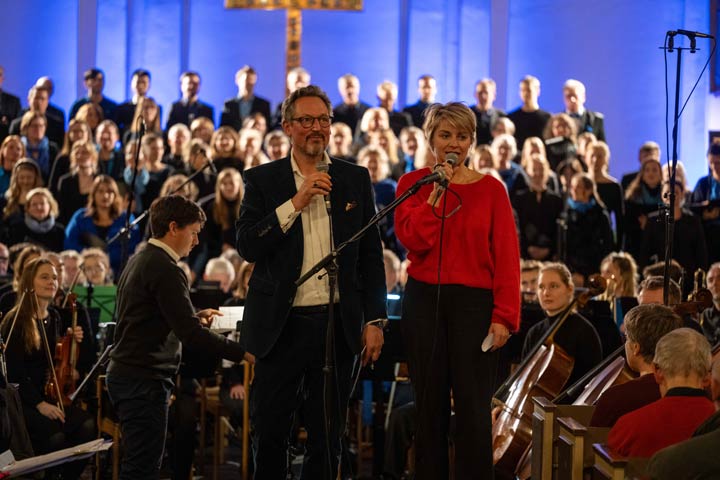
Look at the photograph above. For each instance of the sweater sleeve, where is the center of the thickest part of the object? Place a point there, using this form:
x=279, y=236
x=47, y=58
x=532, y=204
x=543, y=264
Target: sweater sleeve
x=415, y=225
x=180, y=316
x=505, y=255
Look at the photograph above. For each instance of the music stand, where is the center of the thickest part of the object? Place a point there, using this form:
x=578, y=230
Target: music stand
x=102, y=297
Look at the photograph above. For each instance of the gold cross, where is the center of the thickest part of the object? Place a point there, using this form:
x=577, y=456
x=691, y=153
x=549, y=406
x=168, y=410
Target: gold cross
x=294, y=9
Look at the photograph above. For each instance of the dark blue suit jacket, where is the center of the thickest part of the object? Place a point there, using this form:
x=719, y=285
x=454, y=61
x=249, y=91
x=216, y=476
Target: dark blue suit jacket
x=231, y=112
x=278, y=256
x=183, y=113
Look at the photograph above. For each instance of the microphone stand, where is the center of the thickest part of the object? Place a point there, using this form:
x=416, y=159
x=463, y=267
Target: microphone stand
x=329, y=264
x=124, y=232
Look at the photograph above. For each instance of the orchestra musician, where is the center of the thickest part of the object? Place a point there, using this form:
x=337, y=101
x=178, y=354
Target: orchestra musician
x=155, y=315
x=51, y=425
x=645, y=325
x=447, y=314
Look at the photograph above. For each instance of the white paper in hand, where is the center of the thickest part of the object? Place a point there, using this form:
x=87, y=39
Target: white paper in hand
x=488, y=342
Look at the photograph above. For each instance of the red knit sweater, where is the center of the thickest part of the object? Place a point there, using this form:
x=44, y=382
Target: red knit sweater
x=480, y=243
x=660, y=424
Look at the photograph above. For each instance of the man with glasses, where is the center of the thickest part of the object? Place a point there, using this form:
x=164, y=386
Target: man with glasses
x=284, y=228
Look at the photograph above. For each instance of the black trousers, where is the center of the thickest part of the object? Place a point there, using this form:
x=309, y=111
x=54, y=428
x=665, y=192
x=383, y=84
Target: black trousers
x=142, y=406
x=444, y=353
x=292, y=375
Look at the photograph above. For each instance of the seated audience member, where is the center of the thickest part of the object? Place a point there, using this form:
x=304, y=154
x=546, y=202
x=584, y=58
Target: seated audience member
x=560, y=137
x=92, y=115
x=276, y=145
x=538, y=210
x=25, y=176
x=427, y=89
x=585, y=120
x=512, y=174
x=11, y=151
x=387, y=140
x=199, y=158
x=642, y=197
x=96, y=267
x=78, y=132
x=73, y=273
x=376, y=161
x=74, y=186
x=485, y=113
x=39, y=225
x=189, y=107
x=529, y=119
x=387, y=94
x=584, y=141
x=4, y=261
x=652, y=291
x=221, y=271
x=94, y=79
x=534, y=148
x=529, y=274
x=38, y=101
x=588, y=236
x=340, y=145
x=27, y=254
x=236, y=110
x=375, y=119
x=101, y=220
x=482, y=158
x=502, y=125
x=645, y=325
x=351, y=110
x=648, y=150
x=681, y=367
x=609, y=190
x=50, y=428
x=250, y=149
x=126, y=112
x=689, y=248
x=576, y=336
x=225, y=146
x=157, y=171
x=621, y=273
x=172, y=187
x=710, y=318
x=203, y=129
x=240, y=285
x=111, y=160
x=256, y=121
x=707, y=189
x=147, y=109
x=179, y=142
x=37, y=146
x=414, y=152
x=697, y=457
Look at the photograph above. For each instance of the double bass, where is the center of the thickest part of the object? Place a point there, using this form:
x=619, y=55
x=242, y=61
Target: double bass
x=545, y=372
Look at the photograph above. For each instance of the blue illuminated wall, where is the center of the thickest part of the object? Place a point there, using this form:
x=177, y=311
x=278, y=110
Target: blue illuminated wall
x=610, y=45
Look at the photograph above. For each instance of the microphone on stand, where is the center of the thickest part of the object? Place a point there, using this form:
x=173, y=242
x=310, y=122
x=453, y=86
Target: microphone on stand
x=142, y=125
x=439, y=175
x=211, y=165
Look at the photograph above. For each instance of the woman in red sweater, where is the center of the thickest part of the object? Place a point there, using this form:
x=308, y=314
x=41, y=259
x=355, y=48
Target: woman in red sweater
x=463, y=286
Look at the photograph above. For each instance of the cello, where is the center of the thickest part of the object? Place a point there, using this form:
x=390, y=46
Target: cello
x=544, y=373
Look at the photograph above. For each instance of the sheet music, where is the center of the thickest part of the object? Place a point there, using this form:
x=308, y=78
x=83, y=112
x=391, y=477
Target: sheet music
x=40, y=462
x=229, y=320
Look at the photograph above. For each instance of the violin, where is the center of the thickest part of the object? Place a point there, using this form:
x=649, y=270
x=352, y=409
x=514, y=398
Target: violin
x=66, y=354
x=543, y=373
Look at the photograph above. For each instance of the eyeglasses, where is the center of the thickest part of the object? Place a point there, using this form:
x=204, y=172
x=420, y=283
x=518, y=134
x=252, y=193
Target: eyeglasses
x=307, y=122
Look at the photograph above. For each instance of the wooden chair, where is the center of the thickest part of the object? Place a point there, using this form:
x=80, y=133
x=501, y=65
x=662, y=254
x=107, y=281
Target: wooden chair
x=574, y=447
x=210, y=403
x=611, y=466
x=108, y=424
x=543, y=462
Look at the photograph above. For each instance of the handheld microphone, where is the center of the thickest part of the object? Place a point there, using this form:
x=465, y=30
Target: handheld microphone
x=325, y=168
x=439, y=174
